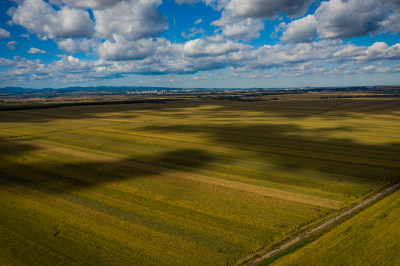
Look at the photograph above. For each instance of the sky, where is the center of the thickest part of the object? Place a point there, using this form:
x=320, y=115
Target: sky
x=199, y=43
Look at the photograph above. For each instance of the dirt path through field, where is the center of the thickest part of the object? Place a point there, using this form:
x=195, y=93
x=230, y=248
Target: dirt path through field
x=385, y=192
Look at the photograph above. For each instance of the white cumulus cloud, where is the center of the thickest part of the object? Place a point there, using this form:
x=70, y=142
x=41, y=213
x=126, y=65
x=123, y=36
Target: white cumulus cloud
x=277, y=55
x=267, y=8
x=6, y=62
x=41, y=18
x=379, y=50
x=4, y=34
x=122, y=49
x=211, y=46
x=244, y=20
x=34, y=50
x=132, y=19
x=344, y=19
x=302, y=30
x=241, y=29
x=73, y=46
x=336, y=19
x=391, y=24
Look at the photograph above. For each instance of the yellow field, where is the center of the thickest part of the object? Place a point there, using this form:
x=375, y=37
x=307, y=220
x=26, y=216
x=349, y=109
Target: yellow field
x=186, y=182
x=369, y=238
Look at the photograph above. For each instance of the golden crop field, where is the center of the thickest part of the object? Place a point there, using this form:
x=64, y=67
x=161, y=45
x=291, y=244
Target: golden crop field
x=369, y=238
x=194, y=182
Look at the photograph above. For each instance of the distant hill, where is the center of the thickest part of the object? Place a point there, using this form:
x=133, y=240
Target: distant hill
x=15, y=90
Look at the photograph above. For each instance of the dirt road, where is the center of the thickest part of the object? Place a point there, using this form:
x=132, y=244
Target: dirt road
x=324, y=225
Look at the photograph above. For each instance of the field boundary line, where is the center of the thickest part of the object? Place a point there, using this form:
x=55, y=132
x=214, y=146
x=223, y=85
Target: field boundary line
x=378, y=196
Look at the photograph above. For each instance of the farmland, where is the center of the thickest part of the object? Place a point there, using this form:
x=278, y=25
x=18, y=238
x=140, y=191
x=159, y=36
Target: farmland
x=185, y=182
x=370, y=238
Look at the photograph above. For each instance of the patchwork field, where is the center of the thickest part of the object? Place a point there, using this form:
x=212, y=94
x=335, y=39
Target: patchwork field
x=370, y=238
x=185, y=182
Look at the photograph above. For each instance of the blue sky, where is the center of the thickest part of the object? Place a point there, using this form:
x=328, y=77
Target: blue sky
x=199, y=43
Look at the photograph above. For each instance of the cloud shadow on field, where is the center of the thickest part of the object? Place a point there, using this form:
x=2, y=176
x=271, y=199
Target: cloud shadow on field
x=42, y=115
x=288, y=147
x=15, y=147
x=21, y=163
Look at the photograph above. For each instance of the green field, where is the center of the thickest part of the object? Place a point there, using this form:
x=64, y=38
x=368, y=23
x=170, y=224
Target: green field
x=369, y=238
x=185, y=182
